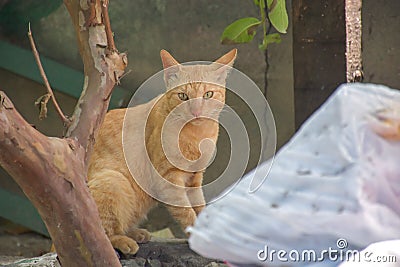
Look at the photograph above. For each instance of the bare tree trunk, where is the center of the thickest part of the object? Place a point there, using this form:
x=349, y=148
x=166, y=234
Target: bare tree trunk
x=52, y=171
x=354, y=71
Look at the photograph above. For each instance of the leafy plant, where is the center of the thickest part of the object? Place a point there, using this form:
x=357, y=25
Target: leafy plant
x=272, y=14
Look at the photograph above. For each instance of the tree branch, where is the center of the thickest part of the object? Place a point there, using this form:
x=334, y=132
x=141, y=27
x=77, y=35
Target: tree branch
x=51, y=173
x=107, y=26
x=65, y=120
x=102, y=70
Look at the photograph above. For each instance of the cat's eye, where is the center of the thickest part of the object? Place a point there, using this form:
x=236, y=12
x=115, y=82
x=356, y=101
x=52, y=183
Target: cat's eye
x=208, y=94
x=183, y=96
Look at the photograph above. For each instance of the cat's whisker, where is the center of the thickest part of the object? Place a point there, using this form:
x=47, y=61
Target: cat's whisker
x=177, y=119
x=215, y=113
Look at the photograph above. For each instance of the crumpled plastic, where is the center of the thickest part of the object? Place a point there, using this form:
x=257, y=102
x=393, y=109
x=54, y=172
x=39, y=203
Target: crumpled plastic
x=335, y=185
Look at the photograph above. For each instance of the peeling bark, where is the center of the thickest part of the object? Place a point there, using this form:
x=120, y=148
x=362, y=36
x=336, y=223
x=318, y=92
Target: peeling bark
x=102, y=69
x=52, y=171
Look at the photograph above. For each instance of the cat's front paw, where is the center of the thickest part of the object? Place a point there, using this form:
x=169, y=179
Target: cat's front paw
x=198, y=209
x=124, y=244
x=140, y=235
x=188, y=218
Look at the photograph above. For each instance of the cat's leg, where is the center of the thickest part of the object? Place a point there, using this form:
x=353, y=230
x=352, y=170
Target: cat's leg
x=196, y=195
x=185, y=216
x=139, y=235
x=115, y=197
x=178, y=203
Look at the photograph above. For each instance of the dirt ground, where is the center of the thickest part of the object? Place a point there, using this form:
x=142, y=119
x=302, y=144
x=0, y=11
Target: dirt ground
x=165, y=249
x=18, y=241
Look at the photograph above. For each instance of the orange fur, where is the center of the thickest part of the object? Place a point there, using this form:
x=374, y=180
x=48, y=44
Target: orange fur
x=122, y=203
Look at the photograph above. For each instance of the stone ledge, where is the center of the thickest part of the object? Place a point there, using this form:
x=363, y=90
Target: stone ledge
x=156, y=253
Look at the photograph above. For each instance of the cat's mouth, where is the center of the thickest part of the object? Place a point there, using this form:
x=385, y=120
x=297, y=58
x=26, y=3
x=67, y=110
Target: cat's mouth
x=198, y=120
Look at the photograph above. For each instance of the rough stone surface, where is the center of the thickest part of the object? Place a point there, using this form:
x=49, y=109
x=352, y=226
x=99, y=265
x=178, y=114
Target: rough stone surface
x=46, y=260
x=158, y=253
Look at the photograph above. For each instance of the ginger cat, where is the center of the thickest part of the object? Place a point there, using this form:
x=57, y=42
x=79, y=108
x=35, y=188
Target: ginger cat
x=121, y=200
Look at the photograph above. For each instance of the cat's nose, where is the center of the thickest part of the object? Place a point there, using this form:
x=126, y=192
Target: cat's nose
x=196, y=107
x=196, y=113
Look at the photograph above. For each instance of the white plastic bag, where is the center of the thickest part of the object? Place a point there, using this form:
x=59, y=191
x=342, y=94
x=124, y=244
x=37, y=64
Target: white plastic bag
x=335, y=185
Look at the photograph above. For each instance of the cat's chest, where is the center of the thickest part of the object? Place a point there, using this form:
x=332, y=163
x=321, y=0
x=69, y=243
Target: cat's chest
x=195, y=152
x=189, y=148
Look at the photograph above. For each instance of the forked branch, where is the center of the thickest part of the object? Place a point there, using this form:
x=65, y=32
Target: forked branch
x=102, y=68
x=52, y=171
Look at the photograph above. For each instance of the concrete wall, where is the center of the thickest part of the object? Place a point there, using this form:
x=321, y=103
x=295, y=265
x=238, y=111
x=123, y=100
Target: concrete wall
x=381, y=42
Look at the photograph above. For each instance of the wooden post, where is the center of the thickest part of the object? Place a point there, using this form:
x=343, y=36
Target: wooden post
x=353, y=41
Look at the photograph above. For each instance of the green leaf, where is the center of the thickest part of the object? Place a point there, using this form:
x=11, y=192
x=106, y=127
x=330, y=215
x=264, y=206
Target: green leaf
x=278, y=15
x=240, y=31
x=257, y=2
x=269, y=3
x=270, y=39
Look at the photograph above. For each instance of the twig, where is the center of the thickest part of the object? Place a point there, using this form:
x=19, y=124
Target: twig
x=107, y=25
x=65, y=120
x=123, y=75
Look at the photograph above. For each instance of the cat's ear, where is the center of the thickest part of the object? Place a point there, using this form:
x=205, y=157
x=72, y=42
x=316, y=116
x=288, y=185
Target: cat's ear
x=228, y=58
x=170, y=65
x=224, y=64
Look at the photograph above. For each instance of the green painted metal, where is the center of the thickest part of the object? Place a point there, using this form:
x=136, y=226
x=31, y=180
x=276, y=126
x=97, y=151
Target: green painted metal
x=61, y=78
x=19, y=209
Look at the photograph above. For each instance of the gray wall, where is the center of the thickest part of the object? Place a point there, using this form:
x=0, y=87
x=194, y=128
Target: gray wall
x=381, y=42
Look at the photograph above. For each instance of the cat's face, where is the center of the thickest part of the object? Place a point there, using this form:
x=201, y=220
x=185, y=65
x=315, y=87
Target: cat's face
x=196, y=101
x=196, y=92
